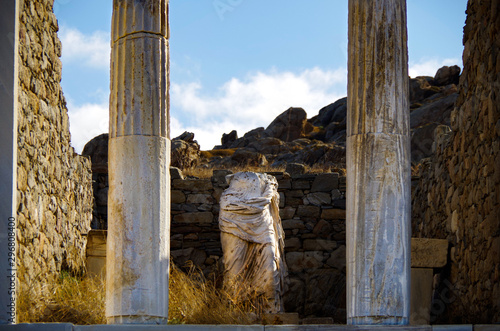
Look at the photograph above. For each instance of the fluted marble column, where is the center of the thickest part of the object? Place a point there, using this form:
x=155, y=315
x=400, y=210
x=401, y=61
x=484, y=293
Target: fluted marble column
x=378, y=164
x=139, y=158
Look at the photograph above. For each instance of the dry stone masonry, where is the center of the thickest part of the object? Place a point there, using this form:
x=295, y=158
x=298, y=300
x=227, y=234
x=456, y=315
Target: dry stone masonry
x=312, y=209
x=54, y=198
x=458, y=195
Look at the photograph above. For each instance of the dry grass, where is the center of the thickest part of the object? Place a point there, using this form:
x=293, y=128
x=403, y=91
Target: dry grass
x=196, y=300
x=193, y=300
x=217, y=152
x=67, y=299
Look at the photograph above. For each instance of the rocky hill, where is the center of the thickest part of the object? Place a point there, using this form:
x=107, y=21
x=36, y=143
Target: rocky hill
x=320, y=140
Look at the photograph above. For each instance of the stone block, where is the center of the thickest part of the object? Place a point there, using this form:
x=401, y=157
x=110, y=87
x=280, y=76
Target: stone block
x=337, y=258
x=177, y=196
x=318, y=199
x=319, y=245
x=192, y=185
x=287, y=212
x=456, y=327
x=429, y=253
x=420, y=296
x=292, y=244
x=317, y=320
x=323, y=229
x=295, y=169
x=325, y=182
x=194, y=218
x=300, y=261
x=176, y=173
x=308, y=211
x=333, y=214
x=200, y=198
x=293, y=224
x=301, y=185
x=219, y=178
x=281, y=318
x=294, y=194
x=285, y=184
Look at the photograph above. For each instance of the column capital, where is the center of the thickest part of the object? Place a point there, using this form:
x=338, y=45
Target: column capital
x=133, y=16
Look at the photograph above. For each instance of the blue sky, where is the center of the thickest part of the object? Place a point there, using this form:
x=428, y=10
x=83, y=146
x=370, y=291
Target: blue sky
x=237, y=64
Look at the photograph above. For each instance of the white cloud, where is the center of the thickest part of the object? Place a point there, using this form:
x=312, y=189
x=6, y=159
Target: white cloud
x=245, y=104
x=90, y=50
x=428, y=67
x=86, y=122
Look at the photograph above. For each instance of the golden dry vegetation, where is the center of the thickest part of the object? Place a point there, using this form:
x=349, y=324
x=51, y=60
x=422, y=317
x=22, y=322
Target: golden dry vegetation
x=192, y=300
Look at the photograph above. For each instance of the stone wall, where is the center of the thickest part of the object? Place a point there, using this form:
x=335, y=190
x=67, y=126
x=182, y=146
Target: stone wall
x=312, y=209
x=54, y=183
x=458, y=196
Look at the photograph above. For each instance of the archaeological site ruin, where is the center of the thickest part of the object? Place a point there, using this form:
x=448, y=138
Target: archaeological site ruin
x=403, y=228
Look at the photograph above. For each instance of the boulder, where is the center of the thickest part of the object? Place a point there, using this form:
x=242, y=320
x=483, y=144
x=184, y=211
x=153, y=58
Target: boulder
x=295, y=169
x=447, y=75
x=420, y=89
x=288, y=126
x=228, y=139
x=97, y=149
x=243, y=157
x=335, y=112
x=438, y=111
x=185, y=151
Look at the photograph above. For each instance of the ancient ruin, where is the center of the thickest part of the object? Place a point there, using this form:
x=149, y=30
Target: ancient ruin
x=139, y=195
x=253, y=239
x=378, y=164
x=46, y=188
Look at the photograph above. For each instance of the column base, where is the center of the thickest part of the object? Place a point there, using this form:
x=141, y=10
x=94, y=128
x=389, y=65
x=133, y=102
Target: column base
x=154, y=320
x=378, y=320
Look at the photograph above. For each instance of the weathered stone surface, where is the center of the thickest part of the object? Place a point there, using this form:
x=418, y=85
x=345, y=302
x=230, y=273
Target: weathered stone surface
x=378, y=163
x=429, y=253
x=447, y=75
x=300, y=261
x=337, y=258
x=200, y=198
x=421, y=296
x=288, y=126
x=139, y=160
x=318, y=199
x=333, y=214
x=185, y=151
x=457, y=195
x=292, y=244
x=319, y=245
x=97, y=149
x=176, y=173
x=177, y=196
x=293, y=224
x=54, y=189
x=287, y=212
x=194, y=218
x=308, y=211
x=325, y=182
x=295, y=169
x=192, y=185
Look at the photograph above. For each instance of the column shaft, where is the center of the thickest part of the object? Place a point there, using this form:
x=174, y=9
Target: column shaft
x=138, y=245
x=378, y=164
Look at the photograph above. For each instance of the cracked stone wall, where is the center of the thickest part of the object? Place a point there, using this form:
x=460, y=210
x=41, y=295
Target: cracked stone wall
x=54, y=183
x=458, y=195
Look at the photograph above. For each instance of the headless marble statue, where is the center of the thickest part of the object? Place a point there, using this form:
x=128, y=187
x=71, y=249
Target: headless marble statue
x=252, y=239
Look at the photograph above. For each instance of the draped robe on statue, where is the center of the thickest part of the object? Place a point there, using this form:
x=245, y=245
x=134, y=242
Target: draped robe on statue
x=253, y=239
